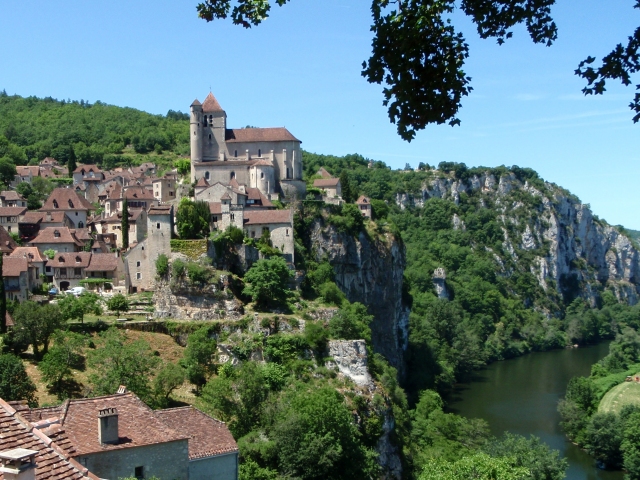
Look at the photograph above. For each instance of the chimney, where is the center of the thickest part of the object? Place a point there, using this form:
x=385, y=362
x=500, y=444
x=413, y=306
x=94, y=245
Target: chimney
x=48, y=216
x=108, y=425
x=18, y=464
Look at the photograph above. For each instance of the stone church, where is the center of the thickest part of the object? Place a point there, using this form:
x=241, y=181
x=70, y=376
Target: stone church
x=269, y=159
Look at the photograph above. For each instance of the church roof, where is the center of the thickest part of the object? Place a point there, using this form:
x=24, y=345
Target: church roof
x=196, y=103
x=202, y=182
x=211, y=104
x=277, y=134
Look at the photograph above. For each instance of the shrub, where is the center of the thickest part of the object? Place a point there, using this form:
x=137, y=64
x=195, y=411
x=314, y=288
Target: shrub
x=178, y=268
x=162, y=265
x=268, y=281
x=198, y=273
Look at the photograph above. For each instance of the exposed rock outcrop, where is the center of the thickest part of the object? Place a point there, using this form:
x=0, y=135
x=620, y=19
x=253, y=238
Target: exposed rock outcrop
x=370, y=271
x=439, y=283
x=350, y=356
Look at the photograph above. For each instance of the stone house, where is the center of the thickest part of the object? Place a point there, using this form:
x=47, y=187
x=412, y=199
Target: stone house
x=60, y=239
x=33, y=221
x=364, y=204
x=68, y=269
x=10, y=217
x=331, y=187
x=118, y=436
x=7, y=243
x=11, y=198
x=35, y=262
x=113, y=225
x=33, y=449
x=279, y=224
x=87, y=171
x=269, y=159
x=137, y=197
x=67, y=200
x=15, y=275
x=164, y=189
x=25, y=174
x=140, y=261
x=107, y=266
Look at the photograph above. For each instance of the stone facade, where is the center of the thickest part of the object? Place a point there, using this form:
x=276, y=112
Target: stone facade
x=219, y=467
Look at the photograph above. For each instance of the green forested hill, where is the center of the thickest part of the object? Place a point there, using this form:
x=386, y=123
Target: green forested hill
x=33, y=128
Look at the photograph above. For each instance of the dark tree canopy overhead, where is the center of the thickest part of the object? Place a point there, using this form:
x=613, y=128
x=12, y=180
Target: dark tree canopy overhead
x=418, y=55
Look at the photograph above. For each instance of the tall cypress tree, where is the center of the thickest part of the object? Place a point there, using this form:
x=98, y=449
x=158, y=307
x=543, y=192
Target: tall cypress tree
x=3, y=302
x=125, y=224
x=348, y=195
x=71, y=163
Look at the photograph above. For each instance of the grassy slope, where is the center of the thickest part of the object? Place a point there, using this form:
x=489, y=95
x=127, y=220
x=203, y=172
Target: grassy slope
x=618, y=396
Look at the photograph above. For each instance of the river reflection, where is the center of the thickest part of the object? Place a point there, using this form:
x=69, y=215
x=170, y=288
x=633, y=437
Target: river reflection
x=521, y=396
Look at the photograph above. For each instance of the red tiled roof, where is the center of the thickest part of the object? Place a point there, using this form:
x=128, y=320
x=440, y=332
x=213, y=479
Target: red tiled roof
x=14, y=266
x=134, y=214
x=138, y=193
x=102, y=262
x=215, y=208
x=263, y=162
x=324, y=173
x=362, y=200
x=87, y=168
x=12, y=211
x=137, y=424
x=41, y=217
x=65, y=199
x=196, y=102
x=34, y=171
x=160, y=210
x=7, y=243
x=202, y=182
x=32, y=254
x=11, y=195
x=326, y=182
x=49, y=161
x=70, y=259
x=256, y=194
x=210, y=104
x=51, y=460
x=262, y=217
x=8, y=320
x=277, y=134
x=207, y=436
x=48, y=235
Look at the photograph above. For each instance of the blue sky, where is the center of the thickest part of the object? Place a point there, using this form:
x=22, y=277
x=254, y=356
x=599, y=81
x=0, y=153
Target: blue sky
x=301, y=69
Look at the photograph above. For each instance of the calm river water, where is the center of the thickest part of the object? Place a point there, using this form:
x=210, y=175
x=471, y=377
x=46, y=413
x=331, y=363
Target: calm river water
x=521, y=396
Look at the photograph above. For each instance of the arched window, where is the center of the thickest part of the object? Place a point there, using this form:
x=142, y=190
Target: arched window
x=206, y=175
x=80, y=225
x=209, y=136
x=261, y=174
x=211, y=120
x=259, y=152
x=233, y=175
x=205, y=121
x=55, y=204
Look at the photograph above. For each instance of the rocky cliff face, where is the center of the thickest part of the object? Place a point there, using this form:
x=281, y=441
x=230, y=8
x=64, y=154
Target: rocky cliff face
x=573, y=252
x=370, y=271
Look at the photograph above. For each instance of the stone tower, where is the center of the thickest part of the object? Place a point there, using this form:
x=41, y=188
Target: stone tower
x=214, y=127
x=196, y=134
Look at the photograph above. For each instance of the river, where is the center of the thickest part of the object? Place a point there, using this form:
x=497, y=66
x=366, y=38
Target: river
x=521, y=396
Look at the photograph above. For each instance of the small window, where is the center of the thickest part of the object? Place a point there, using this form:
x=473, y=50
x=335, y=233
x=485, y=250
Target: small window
x=233, y=216
x=232, y=175
x=209, y=136
x=139, y=472
x=158, y=225
x=261, y=174
x=71, y=205
x=287, y=232
x=259, y=152
x=171, y=194
x=138, y=275
x=9, y=229
x=78, y=259
x=143, y=247
x=138, y=262
x=235, y=153
x=55, y=204
x=77, y=271
x=206, y=175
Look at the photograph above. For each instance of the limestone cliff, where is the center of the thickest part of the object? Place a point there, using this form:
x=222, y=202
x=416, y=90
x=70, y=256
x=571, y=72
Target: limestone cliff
x=573, y=252
x=369, y=271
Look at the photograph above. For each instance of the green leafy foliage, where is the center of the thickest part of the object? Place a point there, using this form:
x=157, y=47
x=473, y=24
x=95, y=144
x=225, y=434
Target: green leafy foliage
x=118, y=303
x=170, y=377
x=15, y=384
x=192, y=219
x=351, y=323
x=267, y=282
x=118, y=361
x=162, y=265
x=35, y=324
x=75, y=308
x=56, y=365
x=199, y=356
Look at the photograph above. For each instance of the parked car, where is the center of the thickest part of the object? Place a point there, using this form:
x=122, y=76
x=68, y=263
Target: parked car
x=53, y=291
x=77, y=291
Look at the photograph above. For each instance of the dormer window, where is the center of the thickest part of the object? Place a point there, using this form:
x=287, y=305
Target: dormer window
x=70, y=203
x=61, y=259
x=56, y=234
x=78, y=260
x=55, y=204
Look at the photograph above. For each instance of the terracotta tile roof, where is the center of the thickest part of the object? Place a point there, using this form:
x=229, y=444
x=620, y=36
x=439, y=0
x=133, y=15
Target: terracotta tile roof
x=70, y=259
x=137, y=424
x=7, y=243
x=324, y=173
x=262, y=217
x=326, y=182
x=196, y=102
x=32, y=254
x=256, y=194
x=210, y=104
x=277, y=134
x=160, y=210
x=207, y=436
x=134, y=214
x=49, y=161
x=8, y=320
x=33, y=171
x=263, y=162
x=12, y=211
x=87, y=168
x=11, y=195
x=41, y=217
x=234, y=183
x=51, y=460
x=226, y=196
x=215, y=208
x=138, y=193
x=82, y=234
x=202, y=182
x=48, y=235
x=362, y=200
x=14, y=266
x=102, y=262
x=65, y=199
